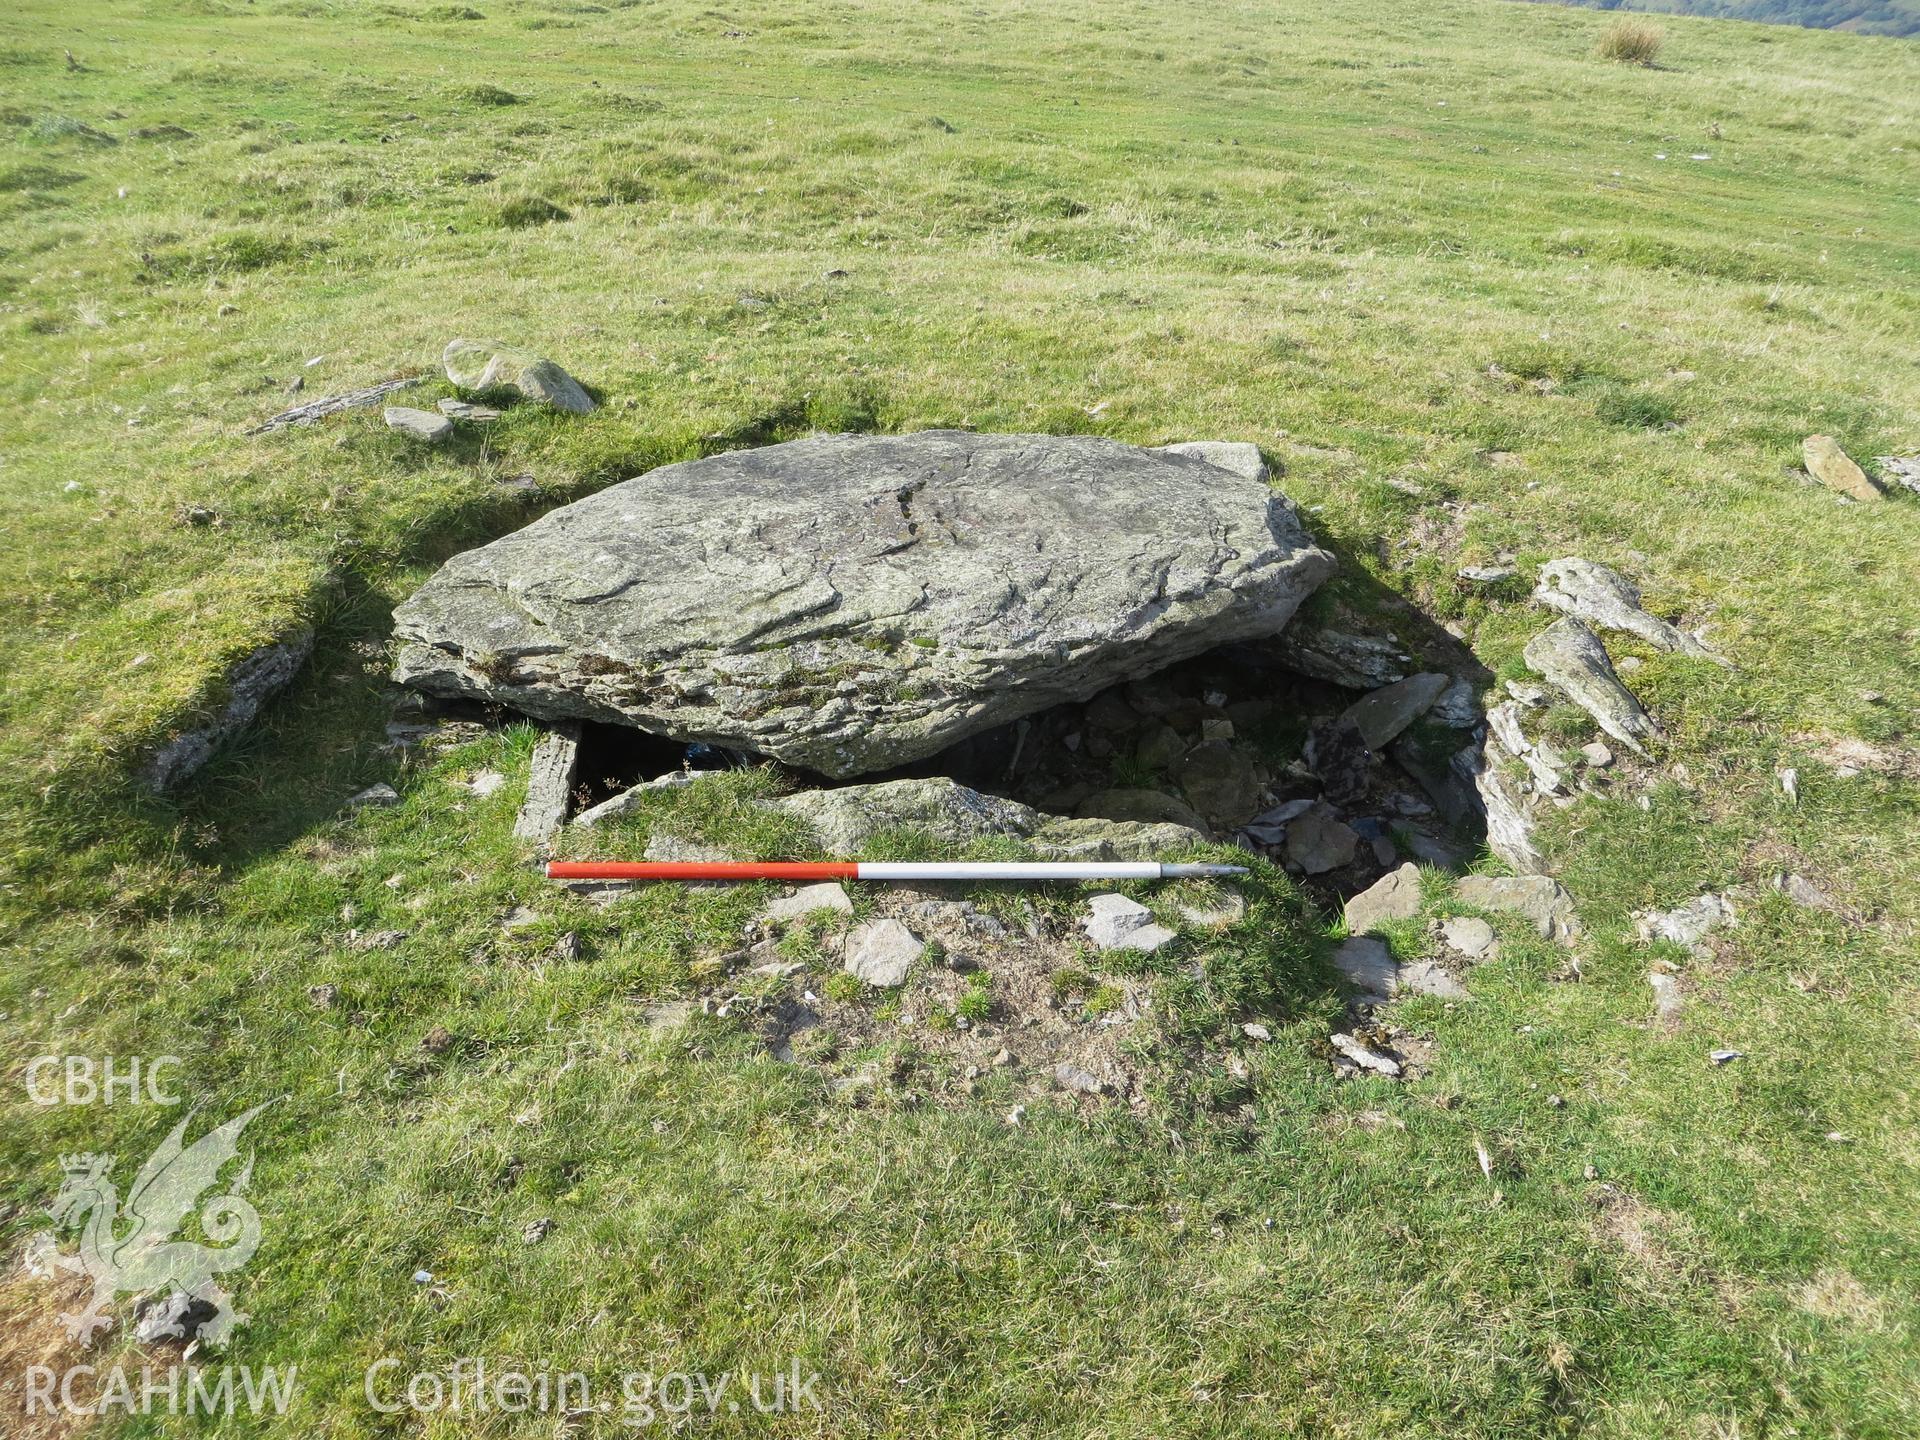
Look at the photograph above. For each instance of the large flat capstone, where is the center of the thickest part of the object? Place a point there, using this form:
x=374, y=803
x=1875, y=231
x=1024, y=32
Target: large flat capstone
x=852, y=602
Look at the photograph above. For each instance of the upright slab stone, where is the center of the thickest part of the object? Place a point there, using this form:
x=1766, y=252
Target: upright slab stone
x=853, y=602
x=549, y=784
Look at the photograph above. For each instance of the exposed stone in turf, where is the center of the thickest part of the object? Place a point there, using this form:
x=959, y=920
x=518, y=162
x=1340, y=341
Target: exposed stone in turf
x=882, y=952
x=1543, y=900
x=853, y=602
x=1394, y=896
x=1687, y=924
x=1571, y=656
x=1606, y=598
x=1368, y=966
x=489, y=365
x=249, y=685
x=806, y=900
x=1113, y=922
x=420, y=424
x=1834, y=468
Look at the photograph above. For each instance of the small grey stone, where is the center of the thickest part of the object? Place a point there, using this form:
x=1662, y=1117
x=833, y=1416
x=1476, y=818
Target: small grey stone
x=1429, y=977
x=1458, y=707
x=1394, y=896
x=420, y=424
x=461, y=410
x=375, y=797
x=1543, y=900
x=1254, y=1031
x=1319, y=841
x=1364, y=1055
x=1487, y=574
x=1834, y=468
x=1596, y=755
x=1721, y=1057
x=881, y=952
x=1527, y=693
x=534, y=1231
x=807, y=899
x=1571, y=656
x=1113, y=922
x=628, y=801
x=252, y=681
x=1668, y=1001
x=1687, y=924
x=175, y=1315
x=1368, y=966
x=1802, y=891
x=488, y=365
x=1606, y=598
x=1468, y=934
x=1085, y=1082
x=1383, y=714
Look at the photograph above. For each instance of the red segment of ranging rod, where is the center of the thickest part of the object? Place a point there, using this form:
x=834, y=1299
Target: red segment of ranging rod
x=702, y=870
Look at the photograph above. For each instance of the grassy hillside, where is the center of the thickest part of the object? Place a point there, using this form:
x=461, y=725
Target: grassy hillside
x=1383, y=244
x=1873, y=17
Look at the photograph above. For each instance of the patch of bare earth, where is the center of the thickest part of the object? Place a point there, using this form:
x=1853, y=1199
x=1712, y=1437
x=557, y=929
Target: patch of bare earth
x=31, y=1334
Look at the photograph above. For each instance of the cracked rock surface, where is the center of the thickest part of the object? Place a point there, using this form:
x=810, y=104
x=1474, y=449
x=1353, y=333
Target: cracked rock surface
x=853, y=602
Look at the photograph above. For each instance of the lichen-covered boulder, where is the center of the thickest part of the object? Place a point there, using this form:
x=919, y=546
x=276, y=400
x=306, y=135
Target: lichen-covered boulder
x=849, y=603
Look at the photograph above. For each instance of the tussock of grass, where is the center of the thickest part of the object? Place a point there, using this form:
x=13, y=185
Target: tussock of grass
x=1632, y=42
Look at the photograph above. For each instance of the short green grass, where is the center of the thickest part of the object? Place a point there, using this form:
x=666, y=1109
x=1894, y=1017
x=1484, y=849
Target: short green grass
x=1380, y=243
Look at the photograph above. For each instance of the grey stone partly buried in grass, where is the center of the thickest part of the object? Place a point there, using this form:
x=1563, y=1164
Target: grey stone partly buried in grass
x=488, y=365
x=249, y=685
x=850, y=603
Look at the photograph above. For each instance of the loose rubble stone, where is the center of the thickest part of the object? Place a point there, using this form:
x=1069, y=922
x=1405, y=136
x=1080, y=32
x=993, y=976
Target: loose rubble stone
x=489, y=365
x=1113, y=922
x=1547, y=764
x=806, y=900
x=1543, y=900
x=1687, y=924
x=1596, y=755
x=1803, y=892
x=1901, y=470
x=1270, y=826
x=1667, y=997
x=420, y=424
x=1394, y=896
x=1320, y=841
x=175, y=1315
x=1358, y=662
x=1429, y=977
x=1458, y=707
x=1487, y=574
x=969, y=580
x=1364, y=1055
x=629, y=800
x=1469, y=935
x=375, y=797
x=250, y=684
x=1606, y=598
x=1509, y=825
x=461, y=410
x=1368, y=966
x=1084, y=1082
x=881, y=953
x=1218, y=779
x=1382, y=715
x=1834, y=468
x=1571, y=656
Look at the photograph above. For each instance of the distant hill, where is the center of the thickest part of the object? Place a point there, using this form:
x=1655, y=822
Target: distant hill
x=1862, y=17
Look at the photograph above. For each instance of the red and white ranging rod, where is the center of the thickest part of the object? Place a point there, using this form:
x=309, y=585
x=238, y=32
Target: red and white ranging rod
x=882, y=870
